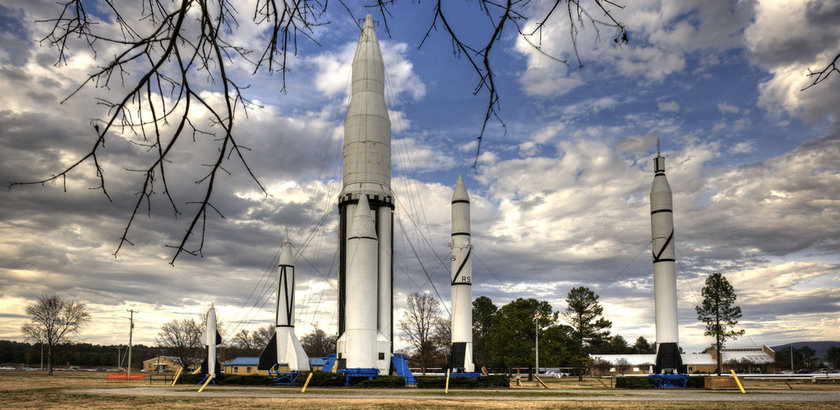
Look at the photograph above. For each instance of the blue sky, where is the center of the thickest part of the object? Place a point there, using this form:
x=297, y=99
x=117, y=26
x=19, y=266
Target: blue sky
x=559, y=195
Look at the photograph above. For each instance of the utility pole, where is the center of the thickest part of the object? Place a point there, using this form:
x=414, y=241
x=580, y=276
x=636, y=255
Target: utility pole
x=119, y=357
x=42, y=356
x=130, y=335
x=537, y=342
x=791, y=357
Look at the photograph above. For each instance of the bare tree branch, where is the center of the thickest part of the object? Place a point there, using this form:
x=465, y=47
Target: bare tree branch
x=822, y=75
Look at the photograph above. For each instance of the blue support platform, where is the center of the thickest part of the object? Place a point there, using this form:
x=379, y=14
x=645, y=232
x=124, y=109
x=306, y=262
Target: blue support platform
x=400, y=364
x=284, y=379
x=329, y=363
x=358, y=372
x=669, y=381
x=473, y=375
x=205, y=379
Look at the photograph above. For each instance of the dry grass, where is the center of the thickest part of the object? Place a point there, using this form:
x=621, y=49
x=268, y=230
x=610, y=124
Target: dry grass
x=64, y=390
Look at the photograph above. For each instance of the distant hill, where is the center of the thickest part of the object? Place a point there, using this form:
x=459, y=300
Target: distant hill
x=820, y=347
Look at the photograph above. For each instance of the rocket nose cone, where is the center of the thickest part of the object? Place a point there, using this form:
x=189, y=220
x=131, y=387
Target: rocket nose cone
x=460, y=193
x=286, y=254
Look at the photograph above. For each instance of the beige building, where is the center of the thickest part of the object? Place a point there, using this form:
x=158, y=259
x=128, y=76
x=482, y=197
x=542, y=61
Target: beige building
x=161, y=364
x=742, y=359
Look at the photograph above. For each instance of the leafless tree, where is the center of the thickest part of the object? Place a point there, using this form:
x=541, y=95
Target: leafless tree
x=262, y=336
x=422, y=312
x=182, y=339
x=318, y=343
x=52, y=321
x=162, y=47
x=244, y=340
x=442, y=337
x=822, y=75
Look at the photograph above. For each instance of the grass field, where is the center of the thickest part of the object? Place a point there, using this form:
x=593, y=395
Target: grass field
x=91, y=390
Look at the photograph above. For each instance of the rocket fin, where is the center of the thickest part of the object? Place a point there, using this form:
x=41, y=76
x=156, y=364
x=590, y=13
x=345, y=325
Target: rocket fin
x=268, y=357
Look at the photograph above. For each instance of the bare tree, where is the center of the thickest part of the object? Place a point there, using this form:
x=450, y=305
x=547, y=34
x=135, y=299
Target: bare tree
x=160, y=49
x=262, y=336
x=244, y=340
x=822, y=75
x=52, y=321
x=442, y=337
x=318, y=343
x=182, y=339
x=422, y=312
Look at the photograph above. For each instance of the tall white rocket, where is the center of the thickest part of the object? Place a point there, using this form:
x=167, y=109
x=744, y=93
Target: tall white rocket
x=668, y=357
x=210, y=338
x=366, y=184
x=289, y=350
x=461, y=355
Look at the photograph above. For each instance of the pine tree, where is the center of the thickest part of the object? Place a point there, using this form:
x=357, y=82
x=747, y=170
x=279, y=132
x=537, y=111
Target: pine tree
x=718, y=312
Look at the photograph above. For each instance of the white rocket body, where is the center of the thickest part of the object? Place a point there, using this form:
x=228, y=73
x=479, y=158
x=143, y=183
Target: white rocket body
x=211, y=338
x=664, y=272
x=461, y=356
x=360, y=334
x=289, y=350
x=365, y=275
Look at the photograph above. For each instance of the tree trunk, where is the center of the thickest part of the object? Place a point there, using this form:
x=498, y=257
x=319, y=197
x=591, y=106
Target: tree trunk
x=50, y=359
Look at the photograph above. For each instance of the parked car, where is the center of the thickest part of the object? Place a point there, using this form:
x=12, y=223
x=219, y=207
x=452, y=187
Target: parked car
x=557, y=375
x=823, y=370
x=787, y=371
x=803, y=371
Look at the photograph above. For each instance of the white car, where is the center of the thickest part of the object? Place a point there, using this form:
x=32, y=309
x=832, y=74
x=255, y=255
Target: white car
x=557, y=375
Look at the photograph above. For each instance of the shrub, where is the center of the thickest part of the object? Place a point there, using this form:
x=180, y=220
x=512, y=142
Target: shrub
x=249, y=380
x=697, y=382
x=439, y=382
x=322, y=379
x=495, y=380
x=190, y=378
x=383, y=381
x=633, y=383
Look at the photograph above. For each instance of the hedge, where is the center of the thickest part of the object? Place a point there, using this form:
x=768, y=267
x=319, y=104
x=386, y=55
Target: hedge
x=383, y=381
x=322, y=379
x=697, y=382
x=192, y=378
x=633, y=383
x=439, y=382
x=249, y=380
x=496, y=380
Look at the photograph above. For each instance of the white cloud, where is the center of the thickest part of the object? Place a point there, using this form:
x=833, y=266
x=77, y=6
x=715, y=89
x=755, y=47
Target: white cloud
x=411, y=155
x=334, y=69
x=787, y=39
x=744, y=147
x=725, y=108
x=669, y=106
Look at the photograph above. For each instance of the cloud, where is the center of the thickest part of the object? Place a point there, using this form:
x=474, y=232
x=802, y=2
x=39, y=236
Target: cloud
x=725, y=108
x=787, y=39
x=670, y=106
x=333, y=72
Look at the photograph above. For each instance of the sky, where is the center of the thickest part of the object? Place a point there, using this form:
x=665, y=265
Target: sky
x=559, y=193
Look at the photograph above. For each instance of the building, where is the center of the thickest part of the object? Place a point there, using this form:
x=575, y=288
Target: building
x=244, y=366
x=742, y=359
x=746, y=359
x=161, y=364
x=248, y=366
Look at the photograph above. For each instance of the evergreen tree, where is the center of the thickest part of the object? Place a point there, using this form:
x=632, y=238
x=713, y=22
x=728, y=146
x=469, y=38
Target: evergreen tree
x=642, y=346
x=589, y=329
x=718, y=312
x=483, y=312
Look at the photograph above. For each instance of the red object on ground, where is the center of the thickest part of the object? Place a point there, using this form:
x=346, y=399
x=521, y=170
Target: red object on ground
x=124, y=376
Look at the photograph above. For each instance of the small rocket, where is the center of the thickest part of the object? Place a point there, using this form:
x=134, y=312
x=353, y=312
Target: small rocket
x=210, y=338
x=365, y=280
x=284, y=348
x=668, y=359
x=461, y=355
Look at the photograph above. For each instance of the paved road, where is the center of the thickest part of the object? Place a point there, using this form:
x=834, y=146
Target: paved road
x=501, y=395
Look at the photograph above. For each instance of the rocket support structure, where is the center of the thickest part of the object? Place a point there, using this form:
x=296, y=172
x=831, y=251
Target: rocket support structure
x=366, y=272
x=668, y=359
x=461, y=354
